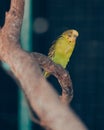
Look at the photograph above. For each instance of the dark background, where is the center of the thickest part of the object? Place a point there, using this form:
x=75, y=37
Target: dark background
x=50, y=19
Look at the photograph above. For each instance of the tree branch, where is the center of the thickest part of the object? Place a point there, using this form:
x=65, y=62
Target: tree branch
x=60, y=73
x=39, y=93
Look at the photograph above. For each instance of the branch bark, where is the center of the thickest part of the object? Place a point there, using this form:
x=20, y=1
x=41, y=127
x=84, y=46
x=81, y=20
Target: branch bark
x=39, y=93
x=60, y=73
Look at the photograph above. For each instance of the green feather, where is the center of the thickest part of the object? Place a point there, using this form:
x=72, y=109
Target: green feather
x=62, y=49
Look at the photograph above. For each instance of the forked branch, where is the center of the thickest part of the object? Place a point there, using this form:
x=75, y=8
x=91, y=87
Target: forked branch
x=42, y=98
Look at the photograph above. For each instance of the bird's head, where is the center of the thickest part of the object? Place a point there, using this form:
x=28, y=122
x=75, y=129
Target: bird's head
x=70, y=35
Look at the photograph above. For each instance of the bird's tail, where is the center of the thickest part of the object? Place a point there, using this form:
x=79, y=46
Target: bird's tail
x=46, y=74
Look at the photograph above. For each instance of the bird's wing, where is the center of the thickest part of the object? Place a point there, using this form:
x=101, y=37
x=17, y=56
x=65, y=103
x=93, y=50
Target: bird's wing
x=52, y=50
x=50, y=55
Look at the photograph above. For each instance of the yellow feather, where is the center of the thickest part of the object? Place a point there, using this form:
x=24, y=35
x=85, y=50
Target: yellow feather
x=62, y=49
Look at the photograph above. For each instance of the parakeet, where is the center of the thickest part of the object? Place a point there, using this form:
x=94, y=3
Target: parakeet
x=62, y=48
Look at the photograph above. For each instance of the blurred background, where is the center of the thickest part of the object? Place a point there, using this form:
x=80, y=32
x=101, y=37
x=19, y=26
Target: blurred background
x=44, y=21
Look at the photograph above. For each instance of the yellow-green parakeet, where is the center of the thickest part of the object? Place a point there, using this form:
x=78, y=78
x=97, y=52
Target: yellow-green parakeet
x=61, y=50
